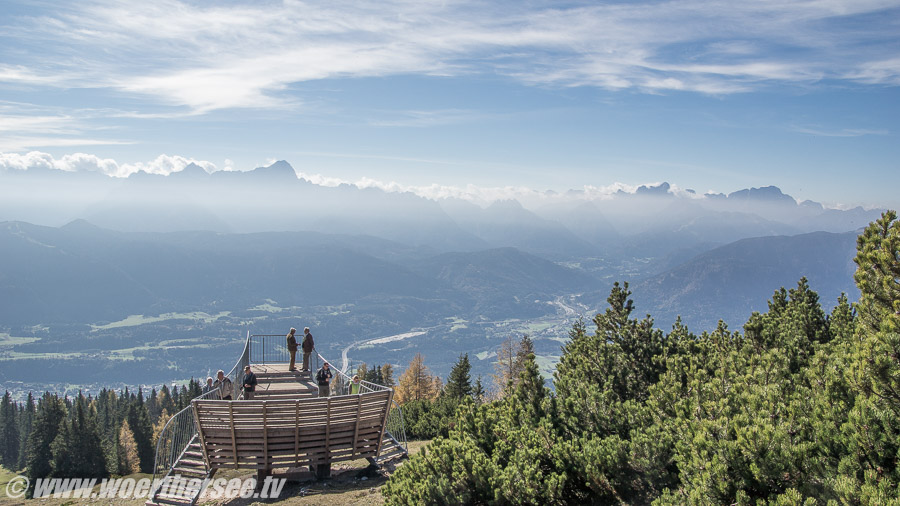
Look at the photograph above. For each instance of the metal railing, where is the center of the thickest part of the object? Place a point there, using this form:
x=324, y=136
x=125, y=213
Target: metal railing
x=270, y=349
x=181, y=428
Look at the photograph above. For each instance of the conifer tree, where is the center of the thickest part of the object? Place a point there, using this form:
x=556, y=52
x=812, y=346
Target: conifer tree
x=510, y=363
x=9, y=432
x=459, y=383
x=878, y=274
x=49, y=417
x=26, y=419
x=139, y=422
x=416, y=383
x=478, y=391
x=129, y=460
x=505, y=367
x=158, y=427
x=166, y=401
x=387, y=375
x=153, y=407
x=76, y=450
x=362, y=371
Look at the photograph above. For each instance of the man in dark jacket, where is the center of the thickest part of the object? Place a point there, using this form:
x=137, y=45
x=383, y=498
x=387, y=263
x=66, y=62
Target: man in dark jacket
x=323, y=378
x=308, y=346
x=292, y=347
x=249, y=383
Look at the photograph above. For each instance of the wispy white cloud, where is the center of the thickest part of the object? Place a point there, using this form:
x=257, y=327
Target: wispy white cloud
x=75, y=162
x=26, y=142
x=26, y=126
x=423, y=118
x=205, y=57
x=844, y=132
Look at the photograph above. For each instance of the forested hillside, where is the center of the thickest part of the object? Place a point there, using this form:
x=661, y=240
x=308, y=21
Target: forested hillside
x=800, y=406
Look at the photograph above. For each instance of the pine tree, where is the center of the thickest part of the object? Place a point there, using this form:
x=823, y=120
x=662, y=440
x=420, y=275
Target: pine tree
x=158, y=427
x=376, y=375
x=76, y=450
x=459, y=383
x=525, y=349
x=129, y=460
x=478, y=391
x=878, y=274
x=9, y=432
x=166, y=401
x=26, y=420
x=153, y=407
x=362, y=371
x=871, y=433
x=139, y=421
x=90, y=448
x=49, y=417
x=387, y=375
x=416, y=383
x=505, y=367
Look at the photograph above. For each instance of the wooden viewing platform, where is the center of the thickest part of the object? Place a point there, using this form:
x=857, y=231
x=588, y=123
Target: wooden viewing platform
x=286, y=425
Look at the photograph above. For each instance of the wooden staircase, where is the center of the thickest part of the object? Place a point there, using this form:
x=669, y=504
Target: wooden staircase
x=185, y=480
x=390, y=449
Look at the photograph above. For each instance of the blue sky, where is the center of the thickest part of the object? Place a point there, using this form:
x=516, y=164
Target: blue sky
x=423, y=95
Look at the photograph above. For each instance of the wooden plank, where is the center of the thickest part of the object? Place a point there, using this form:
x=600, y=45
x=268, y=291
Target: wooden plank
x=199, y=433
x=356, y=428
x=265, y=435
x=233, y=438
x=328, y=426
x=297, y=434
x=387, y=411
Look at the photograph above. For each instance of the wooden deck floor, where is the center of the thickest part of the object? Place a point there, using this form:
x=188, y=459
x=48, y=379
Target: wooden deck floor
x=275, y=381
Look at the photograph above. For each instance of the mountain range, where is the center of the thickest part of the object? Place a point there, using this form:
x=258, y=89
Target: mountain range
x=655, y=224
x=81, y=252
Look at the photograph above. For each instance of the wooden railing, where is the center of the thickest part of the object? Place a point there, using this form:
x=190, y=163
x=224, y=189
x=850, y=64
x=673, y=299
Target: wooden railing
x=273, y=434
x=278, y=433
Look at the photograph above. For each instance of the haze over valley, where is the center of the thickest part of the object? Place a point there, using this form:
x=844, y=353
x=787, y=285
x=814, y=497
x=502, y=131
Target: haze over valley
x=170, y=272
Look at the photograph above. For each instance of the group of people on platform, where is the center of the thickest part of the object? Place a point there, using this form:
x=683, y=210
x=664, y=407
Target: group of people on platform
x=248, y=382
x=308, y=345
x=225, y=387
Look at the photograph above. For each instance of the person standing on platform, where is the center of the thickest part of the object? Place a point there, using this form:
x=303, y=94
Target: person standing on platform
x=323, y=378
x=224, y=385
x=354, y=387
x=308, y=347
x=249, y=383
x=292, y=348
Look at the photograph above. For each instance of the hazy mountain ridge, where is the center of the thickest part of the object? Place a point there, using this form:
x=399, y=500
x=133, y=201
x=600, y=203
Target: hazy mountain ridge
x=732, y=281
x=82, y=273
x=655, y=222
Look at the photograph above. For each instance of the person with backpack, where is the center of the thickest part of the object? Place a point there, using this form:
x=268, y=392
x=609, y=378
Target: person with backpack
x=249, y=384
x=323, y=378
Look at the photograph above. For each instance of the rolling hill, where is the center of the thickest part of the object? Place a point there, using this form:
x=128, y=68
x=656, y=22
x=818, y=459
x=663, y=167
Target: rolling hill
x=732, y=281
